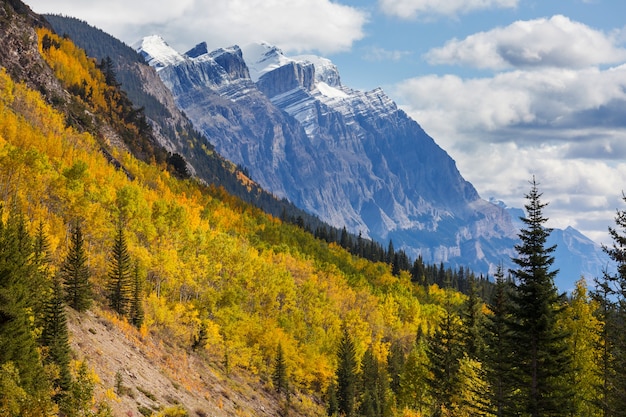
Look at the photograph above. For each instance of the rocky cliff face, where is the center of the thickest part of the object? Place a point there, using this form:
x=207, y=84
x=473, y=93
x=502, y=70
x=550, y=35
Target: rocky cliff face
x=350, y=157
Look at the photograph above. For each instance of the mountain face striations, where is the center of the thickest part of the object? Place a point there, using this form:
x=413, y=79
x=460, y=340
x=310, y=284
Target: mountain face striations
x=351, y=157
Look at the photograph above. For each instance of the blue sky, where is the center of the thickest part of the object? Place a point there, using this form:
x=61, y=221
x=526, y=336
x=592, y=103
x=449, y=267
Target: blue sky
x=509, y=88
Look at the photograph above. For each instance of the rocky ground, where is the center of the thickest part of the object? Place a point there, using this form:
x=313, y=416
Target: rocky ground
x=141, y=375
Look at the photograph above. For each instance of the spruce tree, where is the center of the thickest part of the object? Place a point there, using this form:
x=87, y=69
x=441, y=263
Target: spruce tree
x=498, y=359
x=75, y=273
x=120, y=285
x=374, y=387
x=136, y=302
x=445, y=352
x=611, y=295
x=541, y=354
x=55, y=334
x=17, y=269
x=346, y=375
x=279, y=375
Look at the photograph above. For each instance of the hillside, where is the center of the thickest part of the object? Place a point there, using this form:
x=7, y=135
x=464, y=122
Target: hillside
x=129, y=289
x=210, y=264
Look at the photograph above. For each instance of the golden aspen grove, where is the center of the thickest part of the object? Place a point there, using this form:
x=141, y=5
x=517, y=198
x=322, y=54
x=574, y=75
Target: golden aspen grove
x=224, y=282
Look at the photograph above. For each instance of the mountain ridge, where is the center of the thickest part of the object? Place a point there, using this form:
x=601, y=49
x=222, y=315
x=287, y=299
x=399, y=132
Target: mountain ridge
x=399, y=185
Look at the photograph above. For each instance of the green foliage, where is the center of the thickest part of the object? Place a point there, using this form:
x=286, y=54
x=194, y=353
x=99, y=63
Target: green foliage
x=75, y=272
x=120, y=288
x=541, y=353
x=17, y=341
x=499, y=362
x=279, y=375
x=374, y=388
x=55, y=335
x=346, y=375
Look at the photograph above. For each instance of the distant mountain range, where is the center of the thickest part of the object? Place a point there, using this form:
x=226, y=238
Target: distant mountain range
x=349, y=157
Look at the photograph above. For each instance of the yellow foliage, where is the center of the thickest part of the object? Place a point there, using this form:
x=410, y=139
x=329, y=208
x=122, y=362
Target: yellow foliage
x=209, y=260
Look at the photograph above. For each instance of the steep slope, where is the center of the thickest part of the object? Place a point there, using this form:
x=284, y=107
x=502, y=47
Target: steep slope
x=170, y=126
x=350, y=157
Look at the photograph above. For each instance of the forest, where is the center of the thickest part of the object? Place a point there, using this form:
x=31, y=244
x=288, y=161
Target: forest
x=329, y=331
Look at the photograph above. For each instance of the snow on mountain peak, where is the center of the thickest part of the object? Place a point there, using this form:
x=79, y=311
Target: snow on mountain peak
x=157, y=52
x=325, y=70
x=262, y=58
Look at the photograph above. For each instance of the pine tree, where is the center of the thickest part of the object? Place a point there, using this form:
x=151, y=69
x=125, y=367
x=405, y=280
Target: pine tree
x=541, y=353
x=610, y=294
x=136, y=303
x=346, y=375
x=17, y=340
x=473, y=320
x=55, y=334
x=499, y=362
x=75, y=273
x=445, y=352
x=374, y=387
x=120, y=288
x=279, y=376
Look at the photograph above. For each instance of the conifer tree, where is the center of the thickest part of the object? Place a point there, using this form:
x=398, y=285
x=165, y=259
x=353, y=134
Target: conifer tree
x=473, y=321
x=541, y=353
x=374, y=388
x=346, y=375
x=55, y=334
x=498, y=358
x=17, y=340
x=120, y=286
x=279, y=376
x=75, y=273
x=610, y=294
x=136, y=304
x=445, y=352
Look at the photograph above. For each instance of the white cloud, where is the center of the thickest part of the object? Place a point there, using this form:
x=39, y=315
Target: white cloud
x=408, y=9
x=554, y=42
x=567, y=127
x=294, y=26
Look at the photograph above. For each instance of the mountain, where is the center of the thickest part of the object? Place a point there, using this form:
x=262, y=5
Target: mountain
x=350, y=157
x=171, y=128
x=576, y=255
x=347, y=157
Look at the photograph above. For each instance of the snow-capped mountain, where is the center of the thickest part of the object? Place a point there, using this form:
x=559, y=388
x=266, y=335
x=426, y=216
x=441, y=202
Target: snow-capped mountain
x=350, y=157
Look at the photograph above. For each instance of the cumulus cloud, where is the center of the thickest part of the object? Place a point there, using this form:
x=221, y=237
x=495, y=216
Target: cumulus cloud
x=295, y=26
x=554, y=42
x=565, y=126
x=408, y=9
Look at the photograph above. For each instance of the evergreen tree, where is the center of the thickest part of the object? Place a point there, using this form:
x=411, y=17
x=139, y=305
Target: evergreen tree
x=75, y=273
x=346, y=375
x=17, y=340
x=279, y=376
x=499, y=363
x=473, y=321
x=541, y=353
x=120, y=288
x=55, y=335
x=136, y=302
x=374, y=388
x=610, y=294
x=445, y=352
